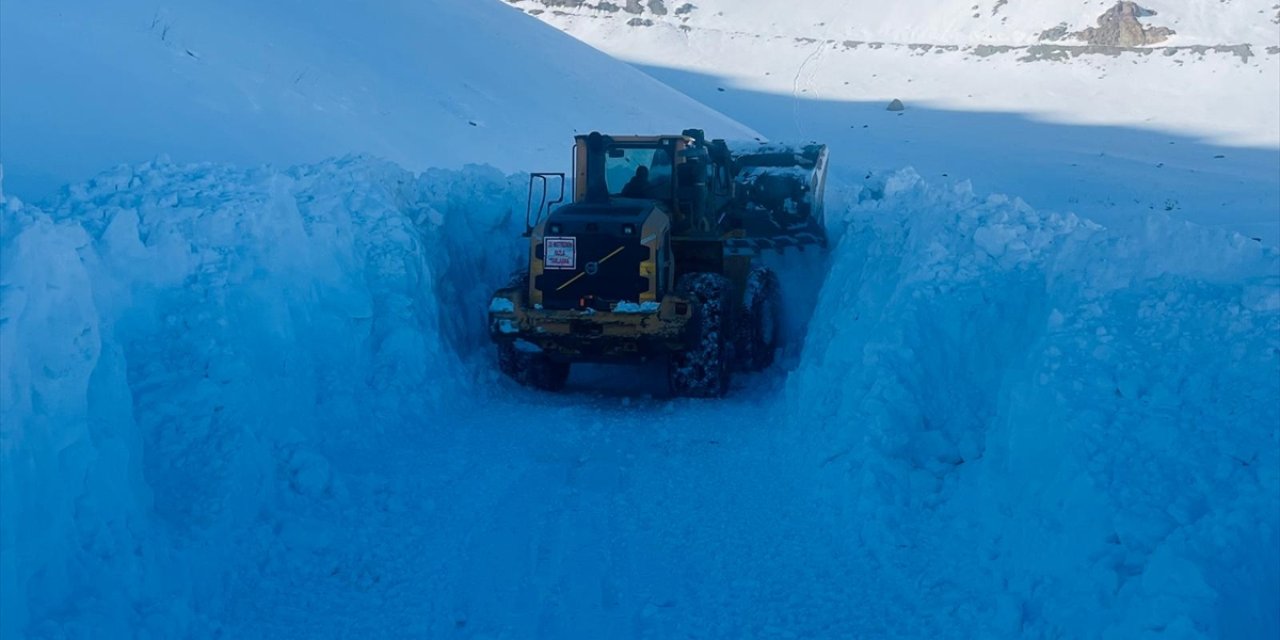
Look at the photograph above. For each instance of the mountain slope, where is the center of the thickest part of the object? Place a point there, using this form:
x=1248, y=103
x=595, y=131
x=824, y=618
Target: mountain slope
x=953, y=22
x=1188, y=126
x=434, y=83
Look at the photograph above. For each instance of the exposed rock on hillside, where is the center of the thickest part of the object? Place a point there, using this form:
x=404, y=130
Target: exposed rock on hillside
x=1119, y=26
x=636, y=7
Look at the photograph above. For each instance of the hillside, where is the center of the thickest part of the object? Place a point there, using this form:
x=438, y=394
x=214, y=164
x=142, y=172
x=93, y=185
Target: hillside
x=998, y=94
x=434, y=83
x=934, y=22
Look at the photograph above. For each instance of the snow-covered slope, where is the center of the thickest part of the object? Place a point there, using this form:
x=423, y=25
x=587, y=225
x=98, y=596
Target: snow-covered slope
x=1189, y=124
x=430, y=83
x=950, y=22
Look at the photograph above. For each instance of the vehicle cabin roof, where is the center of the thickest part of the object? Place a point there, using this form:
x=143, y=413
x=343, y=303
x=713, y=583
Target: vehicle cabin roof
x=634, y=139
x=619, y=208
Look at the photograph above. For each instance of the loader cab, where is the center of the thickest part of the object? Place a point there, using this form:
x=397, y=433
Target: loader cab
x=638, y=204
x=604, y=165
x=682, y=178
x=639, y=172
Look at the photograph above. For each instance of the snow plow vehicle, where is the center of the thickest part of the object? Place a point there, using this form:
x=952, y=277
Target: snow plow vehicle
x=656, y=256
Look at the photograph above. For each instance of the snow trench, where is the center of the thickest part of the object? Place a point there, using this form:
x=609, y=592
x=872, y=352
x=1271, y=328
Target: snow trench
x=1033, y=424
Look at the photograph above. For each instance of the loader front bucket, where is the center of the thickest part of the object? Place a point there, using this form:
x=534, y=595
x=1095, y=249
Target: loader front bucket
x=779, y=195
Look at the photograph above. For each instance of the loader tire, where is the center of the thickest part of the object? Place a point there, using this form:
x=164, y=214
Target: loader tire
x=762, y=318
x=532, y=369
x=703, y=369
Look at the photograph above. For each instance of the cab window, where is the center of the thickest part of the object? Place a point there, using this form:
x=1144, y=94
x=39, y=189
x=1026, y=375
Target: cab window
x=638, y=172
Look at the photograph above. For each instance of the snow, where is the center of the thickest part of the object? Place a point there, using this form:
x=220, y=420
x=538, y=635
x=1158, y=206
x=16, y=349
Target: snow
x=799, y=173
x=176, y=337
x=959, y=22
x=632, y=307
x=1089, y=415
x=502, y=305
x=525, y=346
x=507, y=326
x=430, y=83
x=1102, y=134
x=283, y=381
x=241, y=399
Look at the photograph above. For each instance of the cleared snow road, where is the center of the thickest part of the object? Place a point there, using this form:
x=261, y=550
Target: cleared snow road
x=583, y=515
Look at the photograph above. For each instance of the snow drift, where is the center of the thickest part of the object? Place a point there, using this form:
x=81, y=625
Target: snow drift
x=174, y=336
x=1056, y=429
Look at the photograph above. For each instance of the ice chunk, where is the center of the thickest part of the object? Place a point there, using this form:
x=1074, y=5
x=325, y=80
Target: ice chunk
x=524, y=346
x=632, y=307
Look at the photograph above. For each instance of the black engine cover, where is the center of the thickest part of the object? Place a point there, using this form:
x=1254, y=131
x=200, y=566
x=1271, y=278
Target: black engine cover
x=592, y=254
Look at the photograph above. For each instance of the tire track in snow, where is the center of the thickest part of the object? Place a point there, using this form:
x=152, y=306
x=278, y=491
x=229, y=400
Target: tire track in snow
x=795, y=87
x=579, y=515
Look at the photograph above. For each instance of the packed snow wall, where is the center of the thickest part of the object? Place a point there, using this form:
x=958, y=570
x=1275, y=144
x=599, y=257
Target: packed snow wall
x=174, y=337
x=1039, y=426
x=1056, y=429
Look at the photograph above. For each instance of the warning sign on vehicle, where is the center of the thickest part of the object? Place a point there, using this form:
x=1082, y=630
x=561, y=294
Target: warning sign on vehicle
x=561, y=253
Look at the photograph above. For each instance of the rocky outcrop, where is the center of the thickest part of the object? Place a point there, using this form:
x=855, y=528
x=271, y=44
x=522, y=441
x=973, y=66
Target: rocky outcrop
x=1119, y=26
x=634, y=7
x=1056, y=34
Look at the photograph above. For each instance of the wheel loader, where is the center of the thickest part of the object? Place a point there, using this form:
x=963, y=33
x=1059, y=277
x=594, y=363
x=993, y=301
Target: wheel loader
x=656, y=257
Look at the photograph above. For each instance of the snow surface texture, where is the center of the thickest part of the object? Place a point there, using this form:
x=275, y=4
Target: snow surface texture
x=424, y=83
x=1105, y=132
x=1109, y=462
x=261, y=403
x=946, y=22
x=175, y=336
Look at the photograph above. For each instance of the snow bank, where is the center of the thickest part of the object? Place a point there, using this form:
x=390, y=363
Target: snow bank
x=175, y=337
x=1048, y=428
x=66, y=434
